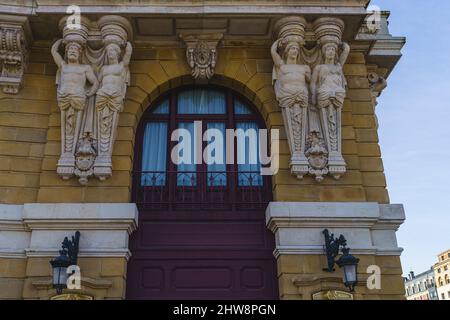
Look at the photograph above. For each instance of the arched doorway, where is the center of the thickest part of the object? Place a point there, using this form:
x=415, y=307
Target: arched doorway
x=202, y=232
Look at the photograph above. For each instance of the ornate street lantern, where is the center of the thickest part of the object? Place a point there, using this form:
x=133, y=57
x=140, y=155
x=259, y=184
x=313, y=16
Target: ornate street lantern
x=348, y=262
x=67, y=256
x=350, y=265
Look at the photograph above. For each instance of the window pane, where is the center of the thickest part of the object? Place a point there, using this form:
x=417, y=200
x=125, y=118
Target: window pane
x=217, y=175
x=154, y=154
x=240, y=108
x=248, y=154
x=200, y=101
x=162, y=108
x=187, y=168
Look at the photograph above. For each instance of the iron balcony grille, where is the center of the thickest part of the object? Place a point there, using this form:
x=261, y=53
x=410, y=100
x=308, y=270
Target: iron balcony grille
x=211, y=190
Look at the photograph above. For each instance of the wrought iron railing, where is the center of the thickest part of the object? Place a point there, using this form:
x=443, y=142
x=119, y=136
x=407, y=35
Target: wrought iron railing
x=186, y=190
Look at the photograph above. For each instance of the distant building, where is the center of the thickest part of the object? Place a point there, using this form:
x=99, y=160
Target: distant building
x=442, y=275
x=421, y=287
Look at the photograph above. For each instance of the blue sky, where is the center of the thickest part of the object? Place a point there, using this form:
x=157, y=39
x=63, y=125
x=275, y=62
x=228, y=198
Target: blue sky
x=414, y=115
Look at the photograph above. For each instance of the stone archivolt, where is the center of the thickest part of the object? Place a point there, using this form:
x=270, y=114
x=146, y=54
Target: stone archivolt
x=92, y=81
x=311, y=87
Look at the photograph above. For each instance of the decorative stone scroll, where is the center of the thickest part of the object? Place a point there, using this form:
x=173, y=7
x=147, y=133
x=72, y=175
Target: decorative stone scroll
x=92, y=82
x=14, y=39
x=311, y=87
x=201, y=53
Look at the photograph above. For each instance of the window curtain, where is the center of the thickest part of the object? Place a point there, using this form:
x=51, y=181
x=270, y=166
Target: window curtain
x=186, y=175
x=201, y=101
x=249, y=172
x=162, y=108
x=217, y=172
x=154, y=154
x=240, y=108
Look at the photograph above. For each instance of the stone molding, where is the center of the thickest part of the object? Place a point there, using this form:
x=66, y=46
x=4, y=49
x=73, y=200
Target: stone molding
x=369, y=227
x=15, y=38
x=47, y=283
x=36, y=230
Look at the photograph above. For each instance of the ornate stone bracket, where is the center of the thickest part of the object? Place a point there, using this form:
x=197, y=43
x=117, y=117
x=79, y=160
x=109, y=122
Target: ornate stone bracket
x=15, y=36
x=201, y=53
x=311, y=88
x=90, y=105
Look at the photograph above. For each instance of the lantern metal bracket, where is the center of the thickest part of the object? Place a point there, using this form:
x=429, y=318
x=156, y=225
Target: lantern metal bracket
x=332, y=247
x=70, y=248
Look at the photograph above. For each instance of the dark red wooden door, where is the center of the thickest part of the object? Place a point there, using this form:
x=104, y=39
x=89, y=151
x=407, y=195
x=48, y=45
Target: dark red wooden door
x=201, y=255
x=201, y=239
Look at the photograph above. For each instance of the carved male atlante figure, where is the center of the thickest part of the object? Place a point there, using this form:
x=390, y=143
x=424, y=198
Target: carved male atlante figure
x=114, y=77
x=291, y=89
x=291, y=77
x=72, y=93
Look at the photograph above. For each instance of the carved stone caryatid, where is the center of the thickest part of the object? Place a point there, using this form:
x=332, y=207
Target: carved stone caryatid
x=291, y=80
x=15, y=36
x=114, y=76
x=328, y=88
x=201, y=53
x=76, y=82
x=92, y=81
x=311, y=104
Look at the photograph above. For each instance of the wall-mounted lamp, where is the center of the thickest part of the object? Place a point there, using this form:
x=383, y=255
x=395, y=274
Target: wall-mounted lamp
x=348, y=262
x=67, y=256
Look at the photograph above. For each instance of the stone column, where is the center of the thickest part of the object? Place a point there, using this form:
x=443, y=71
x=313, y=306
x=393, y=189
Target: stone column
x=31, y=235
x=370, y=231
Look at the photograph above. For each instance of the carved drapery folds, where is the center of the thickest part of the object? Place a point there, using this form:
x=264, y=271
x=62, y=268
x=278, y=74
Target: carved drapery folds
x=201, y=53
x=311, y=87
x=92, y=81
x=14, y=40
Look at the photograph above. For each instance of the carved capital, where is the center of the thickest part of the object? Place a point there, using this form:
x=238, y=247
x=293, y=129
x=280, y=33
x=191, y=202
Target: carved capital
x=201, y=53
x=15, y=36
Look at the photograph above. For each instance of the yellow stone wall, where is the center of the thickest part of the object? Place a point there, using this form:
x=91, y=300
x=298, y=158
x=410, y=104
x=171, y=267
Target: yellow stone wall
x=102, y=278
x=30, y=130
x=309, y=269
x=30, y=148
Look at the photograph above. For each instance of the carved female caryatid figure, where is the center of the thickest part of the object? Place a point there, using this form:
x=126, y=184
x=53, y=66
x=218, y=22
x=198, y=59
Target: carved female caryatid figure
x=328, y=88
x=73, y=79
x=291, y=89
x=114, y=77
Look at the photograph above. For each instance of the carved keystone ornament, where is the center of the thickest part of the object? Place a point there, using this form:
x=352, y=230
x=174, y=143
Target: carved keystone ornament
x=310, y=88
x=92, y=79
x=201, y=53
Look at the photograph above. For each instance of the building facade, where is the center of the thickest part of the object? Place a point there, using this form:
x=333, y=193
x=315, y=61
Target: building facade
x=442, y=275
x=421, y=286
x=91, y=96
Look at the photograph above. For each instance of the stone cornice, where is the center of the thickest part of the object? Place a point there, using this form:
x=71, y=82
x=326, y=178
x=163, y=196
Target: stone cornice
x=369, y=227
x=36, y=230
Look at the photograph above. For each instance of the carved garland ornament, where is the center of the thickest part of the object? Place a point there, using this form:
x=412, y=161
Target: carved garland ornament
x=92, y=83
x=310, y=87
x=201, y=53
